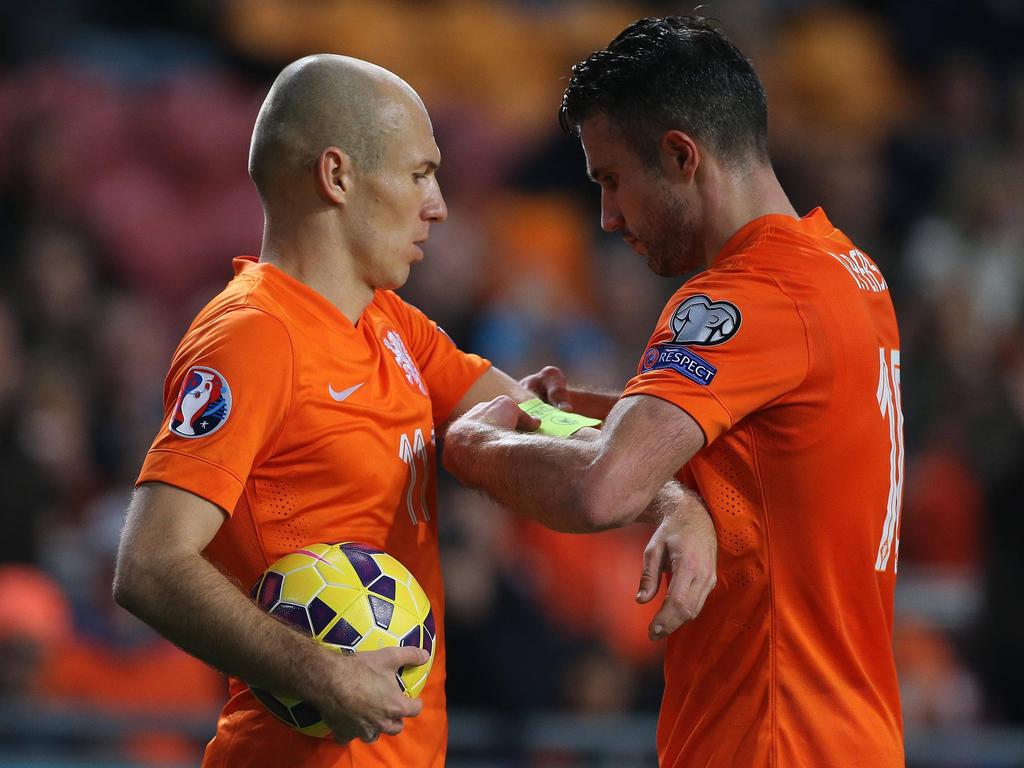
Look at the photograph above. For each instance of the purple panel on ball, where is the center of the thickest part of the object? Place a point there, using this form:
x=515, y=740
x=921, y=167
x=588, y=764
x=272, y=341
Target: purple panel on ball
x=382, y=611
x=365, y=566
x=428, y=642
x=413, y=638
x=428, y=623
x=294, y=616
x=343, y=634
x=276, y=708
x=255, y=588
x=385, y=587
x=364, y=548
x=306, y=714
x=321, y=615
x=270, y=590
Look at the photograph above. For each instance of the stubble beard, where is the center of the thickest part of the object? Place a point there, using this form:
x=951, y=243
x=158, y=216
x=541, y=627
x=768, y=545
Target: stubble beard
x=671, y=240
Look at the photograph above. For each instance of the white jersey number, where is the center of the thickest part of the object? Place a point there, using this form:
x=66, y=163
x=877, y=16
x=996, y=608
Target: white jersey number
x=888, y=396
x=414, y=453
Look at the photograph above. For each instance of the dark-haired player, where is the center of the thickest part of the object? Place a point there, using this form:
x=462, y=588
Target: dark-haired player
x=770, y=384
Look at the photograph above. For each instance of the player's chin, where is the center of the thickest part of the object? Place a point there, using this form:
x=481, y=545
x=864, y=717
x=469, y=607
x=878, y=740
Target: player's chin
x=667, y=267
x=398, y=277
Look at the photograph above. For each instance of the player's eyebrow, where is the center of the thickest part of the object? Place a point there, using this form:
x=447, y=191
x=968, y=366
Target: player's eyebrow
x=595, y=174
x=430, y=165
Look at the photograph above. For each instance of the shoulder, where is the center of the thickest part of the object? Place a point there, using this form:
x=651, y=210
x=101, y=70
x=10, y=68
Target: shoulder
x=398, y=310
x=391, y=303
x=244, y=327
x=732, y=311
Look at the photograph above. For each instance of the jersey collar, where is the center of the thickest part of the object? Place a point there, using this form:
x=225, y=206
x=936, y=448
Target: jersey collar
x=815, y=223
x=321, y=308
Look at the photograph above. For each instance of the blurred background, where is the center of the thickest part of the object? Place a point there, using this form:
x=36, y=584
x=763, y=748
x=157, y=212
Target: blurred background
x=123, y=197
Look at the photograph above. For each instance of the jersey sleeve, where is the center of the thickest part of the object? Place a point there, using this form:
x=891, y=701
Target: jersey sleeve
x=448, y=371
x=226, y=397
x=728, y=343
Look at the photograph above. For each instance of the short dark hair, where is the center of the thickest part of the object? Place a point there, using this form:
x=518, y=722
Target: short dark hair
x=674, y=72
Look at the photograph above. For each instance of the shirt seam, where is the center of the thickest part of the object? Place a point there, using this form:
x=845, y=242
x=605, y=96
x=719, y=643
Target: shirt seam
x=202, y=459
x=257, y=527
x=772, y=629
x=633, y=392
x=796, y=306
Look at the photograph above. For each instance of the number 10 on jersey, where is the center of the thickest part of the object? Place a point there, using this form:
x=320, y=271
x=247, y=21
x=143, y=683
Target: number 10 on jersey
x=416, y=453
x=888, y=396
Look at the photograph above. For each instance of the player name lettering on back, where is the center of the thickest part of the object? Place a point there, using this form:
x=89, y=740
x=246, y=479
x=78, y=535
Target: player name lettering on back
x=678, y=358
x=864, y=272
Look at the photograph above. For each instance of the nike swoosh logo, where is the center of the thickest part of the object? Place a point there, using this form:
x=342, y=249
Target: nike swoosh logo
x=339, y=396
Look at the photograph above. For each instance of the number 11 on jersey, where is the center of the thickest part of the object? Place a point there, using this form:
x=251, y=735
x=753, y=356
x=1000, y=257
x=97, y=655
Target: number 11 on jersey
x=414, y=452
x=888, y=396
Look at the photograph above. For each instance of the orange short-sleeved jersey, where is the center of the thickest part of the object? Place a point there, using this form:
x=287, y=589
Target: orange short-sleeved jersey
x=786, y=353
x=305, y=428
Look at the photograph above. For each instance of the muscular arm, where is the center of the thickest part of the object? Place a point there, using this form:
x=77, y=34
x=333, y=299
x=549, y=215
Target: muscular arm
x=577, y=485
x=548, y=383
x=492, y=382
x=602, y=479
x=163, y=579
x=596, y=405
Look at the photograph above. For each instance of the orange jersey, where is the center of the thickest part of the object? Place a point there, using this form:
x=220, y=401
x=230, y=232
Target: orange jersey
x=306, y=428
x=786, y=353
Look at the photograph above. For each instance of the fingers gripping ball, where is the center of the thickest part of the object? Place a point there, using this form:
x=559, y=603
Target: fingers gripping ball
x=350, y=597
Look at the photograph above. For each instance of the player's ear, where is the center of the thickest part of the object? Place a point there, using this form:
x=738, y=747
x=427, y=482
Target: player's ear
x=680, y=154
x=334, y=175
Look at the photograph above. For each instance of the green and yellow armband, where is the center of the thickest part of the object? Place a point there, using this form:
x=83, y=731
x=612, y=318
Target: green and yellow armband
x=555, y=422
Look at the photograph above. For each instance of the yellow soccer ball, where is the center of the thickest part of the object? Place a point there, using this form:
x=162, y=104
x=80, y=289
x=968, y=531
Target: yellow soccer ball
x=351, y=597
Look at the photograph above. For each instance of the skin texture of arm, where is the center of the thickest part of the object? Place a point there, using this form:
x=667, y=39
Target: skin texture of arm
x=163, y=578
x=602, y=479
x=574, y=485
x=596, y=405
x=684, y=546
x=492, y=382
x=549, y=383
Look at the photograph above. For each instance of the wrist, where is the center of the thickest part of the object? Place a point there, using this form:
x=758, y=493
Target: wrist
x=461, y=442
x=324, y=669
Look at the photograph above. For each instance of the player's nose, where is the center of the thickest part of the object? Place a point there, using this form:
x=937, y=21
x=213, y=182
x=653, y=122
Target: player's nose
x=435, y=210
x=611, y=216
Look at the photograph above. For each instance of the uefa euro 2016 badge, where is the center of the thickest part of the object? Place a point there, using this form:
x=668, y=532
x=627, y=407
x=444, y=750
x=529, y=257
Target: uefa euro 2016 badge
x=203, y=404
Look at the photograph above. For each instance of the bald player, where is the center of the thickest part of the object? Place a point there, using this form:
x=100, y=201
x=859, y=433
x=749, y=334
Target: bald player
x=301, y=406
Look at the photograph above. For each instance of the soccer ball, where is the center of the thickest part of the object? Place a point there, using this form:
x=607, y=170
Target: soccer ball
x=350, y=597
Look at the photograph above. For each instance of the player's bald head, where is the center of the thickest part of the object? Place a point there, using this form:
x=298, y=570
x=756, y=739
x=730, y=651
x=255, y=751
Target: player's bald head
x=326, y=101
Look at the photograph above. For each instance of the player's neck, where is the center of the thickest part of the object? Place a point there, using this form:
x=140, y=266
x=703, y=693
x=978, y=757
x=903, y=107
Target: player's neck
x=742, y=200
x=320, y=261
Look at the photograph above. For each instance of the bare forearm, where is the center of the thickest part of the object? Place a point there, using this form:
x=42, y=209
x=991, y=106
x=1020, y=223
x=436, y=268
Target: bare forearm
x=194, y=605
x=534, y=475
x=596, y=405
x=671, y=498
x=544, y=478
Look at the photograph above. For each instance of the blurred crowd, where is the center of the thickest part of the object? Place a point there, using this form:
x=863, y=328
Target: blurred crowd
x=123, y=197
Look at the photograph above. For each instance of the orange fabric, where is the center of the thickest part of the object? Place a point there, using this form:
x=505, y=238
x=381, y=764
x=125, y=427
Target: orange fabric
x=586, y=584
x=293, y=465
x=791, y=661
